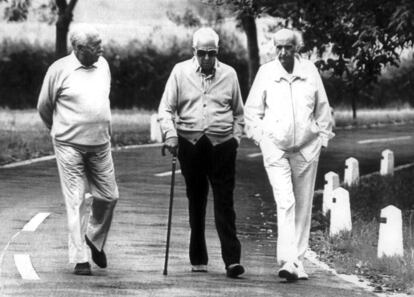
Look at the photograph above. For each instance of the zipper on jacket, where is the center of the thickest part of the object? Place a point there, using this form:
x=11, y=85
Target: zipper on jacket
x=293, y=112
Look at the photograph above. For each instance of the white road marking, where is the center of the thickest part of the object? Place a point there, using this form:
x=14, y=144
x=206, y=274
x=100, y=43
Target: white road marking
x=23, y=262
x=27, y=162
x=167, y=173
x=51, y=157
x=32, y=225
x=254, y=155
x=25, y=267
x=384, y=139
x=3, y=252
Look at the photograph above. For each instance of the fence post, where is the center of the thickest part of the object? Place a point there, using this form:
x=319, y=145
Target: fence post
x=332, y=182
x=387, y=163
x=390, y=239
x=156, y=134
x=340, y=212
x=351, y=176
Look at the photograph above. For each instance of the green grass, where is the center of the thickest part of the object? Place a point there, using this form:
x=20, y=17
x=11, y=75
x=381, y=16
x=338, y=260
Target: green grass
x=23, y=135
x=356, y=252
x=370, y=117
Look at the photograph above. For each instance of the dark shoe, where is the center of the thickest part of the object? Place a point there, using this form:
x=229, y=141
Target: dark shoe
x=83, y=269
x=234, y=270
x=98, y=257
x=289, y=271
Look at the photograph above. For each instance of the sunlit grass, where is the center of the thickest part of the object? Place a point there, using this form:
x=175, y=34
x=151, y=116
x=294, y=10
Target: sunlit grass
x=23, y=135
x=343, y=117
x=355, y=252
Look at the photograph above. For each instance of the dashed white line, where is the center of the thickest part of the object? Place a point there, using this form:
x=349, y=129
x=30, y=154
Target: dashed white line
x=167, y=173
x=254, y=155
x=384, y=139
x=32, y=225
x=25, y=267
x=22, y=261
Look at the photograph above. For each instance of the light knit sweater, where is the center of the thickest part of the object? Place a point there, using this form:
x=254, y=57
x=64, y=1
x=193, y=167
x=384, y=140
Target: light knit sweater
x=192, y=107
x=74, y=101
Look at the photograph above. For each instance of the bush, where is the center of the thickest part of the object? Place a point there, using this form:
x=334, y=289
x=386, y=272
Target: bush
x=139, y=70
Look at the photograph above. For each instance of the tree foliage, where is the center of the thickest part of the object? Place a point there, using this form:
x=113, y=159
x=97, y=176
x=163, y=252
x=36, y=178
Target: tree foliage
x=361, y=36
x=59, y=12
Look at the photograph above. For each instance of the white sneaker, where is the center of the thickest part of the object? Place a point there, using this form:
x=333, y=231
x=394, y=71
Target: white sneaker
x=301, y=272
x=199, y=268
x=289, y=271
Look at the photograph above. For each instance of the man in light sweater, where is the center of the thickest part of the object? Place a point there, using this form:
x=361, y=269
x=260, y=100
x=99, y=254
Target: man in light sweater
x=205, y=95
x=74, y=105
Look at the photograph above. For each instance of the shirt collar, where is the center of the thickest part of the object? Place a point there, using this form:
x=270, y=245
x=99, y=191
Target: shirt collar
x=197, y=67
x=76, y=64
x=298, y=71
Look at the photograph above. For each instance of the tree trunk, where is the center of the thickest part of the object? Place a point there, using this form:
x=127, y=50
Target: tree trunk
x=62, y=29
x=249, y=25
x=62, y=26
x=354, y=103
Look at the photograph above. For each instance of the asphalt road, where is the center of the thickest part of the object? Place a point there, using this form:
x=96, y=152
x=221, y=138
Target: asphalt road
x=135, y=247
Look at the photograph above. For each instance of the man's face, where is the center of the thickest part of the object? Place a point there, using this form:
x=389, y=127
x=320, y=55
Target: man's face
x=90, y=51
x=285, y=51
x=206, y=51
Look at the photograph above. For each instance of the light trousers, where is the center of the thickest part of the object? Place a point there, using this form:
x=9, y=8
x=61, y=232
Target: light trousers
x=80, y=171
x=293, y=180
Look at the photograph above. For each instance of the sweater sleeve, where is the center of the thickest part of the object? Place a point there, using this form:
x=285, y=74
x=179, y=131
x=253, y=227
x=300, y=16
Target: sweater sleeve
x=168, y=106
x=237, y=106
x=47, y=97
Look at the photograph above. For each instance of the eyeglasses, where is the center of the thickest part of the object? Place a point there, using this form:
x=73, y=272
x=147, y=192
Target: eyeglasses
x=203, y=53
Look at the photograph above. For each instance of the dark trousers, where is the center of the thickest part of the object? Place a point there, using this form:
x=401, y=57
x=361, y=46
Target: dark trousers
x=201, y=163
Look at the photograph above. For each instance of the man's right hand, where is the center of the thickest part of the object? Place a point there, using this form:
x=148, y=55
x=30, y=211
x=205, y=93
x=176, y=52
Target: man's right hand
x=172, y=145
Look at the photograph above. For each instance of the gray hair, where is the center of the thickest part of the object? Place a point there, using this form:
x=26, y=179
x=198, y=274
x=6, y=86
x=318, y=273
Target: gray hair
x=81, y=34
x=202, y=32
x=295, y=35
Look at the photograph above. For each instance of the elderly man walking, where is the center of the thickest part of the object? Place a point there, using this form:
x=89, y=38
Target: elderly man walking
x=288, y=115
x=74, y=105
x=201, y=115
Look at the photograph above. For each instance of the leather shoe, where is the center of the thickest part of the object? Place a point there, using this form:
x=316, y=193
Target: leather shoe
x=234, y=270
x=98, y=257
x=289, y=271
x=82, y=269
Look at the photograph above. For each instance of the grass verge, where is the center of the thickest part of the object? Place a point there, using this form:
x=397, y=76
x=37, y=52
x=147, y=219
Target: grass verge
x=355, y=252
x=23, y=135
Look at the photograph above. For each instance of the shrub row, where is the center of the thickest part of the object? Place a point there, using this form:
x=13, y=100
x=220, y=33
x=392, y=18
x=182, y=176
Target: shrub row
x=141, y=68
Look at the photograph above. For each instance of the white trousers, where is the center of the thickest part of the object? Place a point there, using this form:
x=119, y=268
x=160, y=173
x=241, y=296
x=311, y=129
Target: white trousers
x=81, y=171
x=293, y=180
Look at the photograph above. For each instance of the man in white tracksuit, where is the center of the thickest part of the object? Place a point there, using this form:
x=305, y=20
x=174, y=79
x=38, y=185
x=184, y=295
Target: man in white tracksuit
x=287, y=113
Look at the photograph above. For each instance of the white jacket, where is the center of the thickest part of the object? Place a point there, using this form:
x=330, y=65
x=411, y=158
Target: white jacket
x=291, y=110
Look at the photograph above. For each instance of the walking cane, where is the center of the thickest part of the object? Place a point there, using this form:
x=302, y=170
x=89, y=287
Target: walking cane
x=167, y=247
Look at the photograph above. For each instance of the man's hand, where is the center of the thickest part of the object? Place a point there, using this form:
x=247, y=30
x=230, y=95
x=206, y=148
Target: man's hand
x=172, y=145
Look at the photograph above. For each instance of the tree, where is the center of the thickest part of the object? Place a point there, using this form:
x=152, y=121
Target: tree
x=59, y=11
x=363, y=35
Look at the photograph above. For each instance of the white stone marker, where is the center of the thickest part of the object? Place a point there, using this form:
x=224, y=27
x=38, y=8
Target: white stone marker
x=332, y=182
x=387, y=163
x=340, y=212
x=390, y=239
x=156, y=134
x=351, y=176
